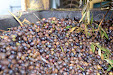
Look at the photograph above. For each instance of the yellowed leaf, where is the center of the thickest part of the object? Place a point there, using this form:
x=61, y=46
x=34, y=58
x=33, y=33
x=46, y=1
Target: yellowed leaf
x=82, y=17
x=72, y=29
x=102, y=56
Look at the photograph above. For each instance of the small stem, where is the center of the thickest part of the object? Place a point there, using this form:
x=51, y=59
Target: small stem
x=16, y=18
x=36, y=16
x=44, y=59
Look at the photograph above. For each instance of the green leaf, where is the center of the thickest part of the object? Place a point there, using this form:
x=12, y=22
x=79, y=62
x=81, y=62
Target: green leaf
x=92, y=19
x=104, y=49
x=68, y=27
x=93, y=48
x=109, y=68
x=109, y=61
x=112, y=61
x=98, y=46
x=105, y=56
x=101, y=34
x=52, y=21
x=62, y=49
x=81, y=68
x=97, y=26
x=93, y=29
x=89, y=34
x=105, y=34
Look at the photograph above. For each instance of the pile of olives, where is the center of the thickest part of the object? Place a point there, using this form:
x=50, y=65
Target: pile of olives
x=44, y=48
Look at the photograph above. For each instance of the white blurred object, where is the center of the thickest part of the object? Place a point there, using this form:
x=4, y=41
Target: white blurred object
x=80, y=3
x=5, y=6
x=58, y=2
x=55, y=3
x=23, y=5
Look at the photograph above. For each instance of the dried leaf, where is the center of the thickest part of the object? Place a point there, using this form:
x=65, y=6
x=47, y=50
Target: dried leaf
x=26, y=21
x=102, y=56
x=82, y=17
x=84, y=9
x=72, y=29
x=88, y=16
x=99, y=52
x=20, y=14
x=62, y=49
x=16, y=18
x=86, y=31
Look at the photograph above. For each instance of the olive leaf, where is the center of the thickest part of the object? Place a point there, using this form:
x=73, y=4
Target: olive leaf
x=105, y=55
x=72, y=29
x=109, y=61
x=93, y=29
x=109, y=68
x=104, y=49
x=92, y=19
x=52, y=21
x=81, y=68
x=112, y=61
x=105, y=34
x=86, y=31
x=89, y=34
x=102, y=56
x=93, y=48
x=107, y=52
x=62, y=49
x=101, y=34
x=99, y=52
x=68, y=27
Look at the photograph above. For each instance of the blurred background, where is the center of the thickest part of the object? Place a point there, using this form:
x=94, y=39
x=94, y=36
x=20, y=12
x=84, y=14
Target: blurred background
x=9, y=5
x=25, y=5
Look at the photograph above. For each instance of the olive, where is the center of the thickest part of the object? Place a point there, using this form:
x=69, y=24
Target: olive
x=48, y=47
